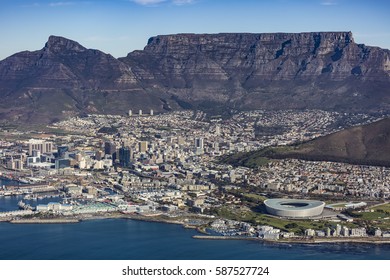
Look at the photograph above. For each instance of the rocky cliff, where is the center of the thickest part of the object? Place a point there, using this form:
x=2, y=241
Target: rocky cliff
x=325, y=70
x=64, y=79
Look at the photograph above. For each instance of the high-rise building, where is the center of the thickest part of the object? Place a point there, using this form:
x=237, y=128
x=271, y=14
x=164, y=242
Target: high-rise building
x=39, y=145
x=18, y=164
x=199, y=143
x=140, y=112
x=62, y=151
x=338, y=230
x=199, y=146
x=143, y=146
x=130, y=113
x=125, y=155
x=151, y=112
x=15, y=164
x=109, y=148
x=217, y=130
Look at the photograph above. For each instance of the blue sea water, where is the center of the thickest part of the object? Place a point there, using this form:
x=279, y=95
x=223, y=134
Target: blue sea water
x=116, y=239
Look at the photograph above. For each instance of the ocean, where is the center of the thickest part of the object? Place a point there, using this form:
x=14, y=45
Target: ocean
x=124, y=239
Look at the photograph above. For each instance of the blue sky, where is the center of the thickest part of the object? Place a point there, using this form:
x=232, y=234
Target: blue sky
x=120, y=26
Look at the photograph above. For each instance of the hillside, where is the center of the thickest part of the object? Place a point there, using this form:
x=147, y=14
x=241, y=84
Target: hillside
x=368, y=144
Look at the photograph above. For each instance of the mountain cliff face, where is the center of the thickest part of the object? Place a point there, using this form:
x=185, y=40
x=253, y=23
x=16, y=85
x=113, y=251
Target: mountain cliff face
x=63, y=63
x=326, y=70
x=64, y=79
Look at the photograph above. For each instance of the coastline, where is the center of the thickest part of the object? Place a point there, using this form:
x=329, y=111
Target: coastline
x=357, y=240
x=200, y=229
x=45, y=221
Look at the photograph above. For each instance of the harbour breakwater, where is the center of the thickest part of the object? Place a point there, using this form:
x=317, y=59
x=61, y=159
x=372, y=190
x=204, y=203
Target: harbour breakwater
x=45, y=221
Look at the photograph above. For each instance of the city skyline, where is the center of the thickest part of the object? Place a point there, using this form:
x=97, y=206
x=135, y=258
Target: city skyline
x=121, y=26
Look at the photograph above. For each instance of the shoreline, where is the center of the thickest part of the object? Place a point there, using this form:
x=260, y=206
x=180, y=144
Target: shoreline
x=44, y=221
x=297, y=241
x=200, y=229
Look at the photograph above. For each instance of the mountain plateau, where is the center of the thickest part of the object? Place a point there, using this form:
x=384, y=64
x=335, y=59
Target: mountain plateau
x=215, y=72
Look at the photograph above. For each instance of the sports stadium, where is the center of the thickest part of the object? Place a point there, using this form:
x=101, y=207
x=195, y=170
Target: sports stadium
x=294, y=208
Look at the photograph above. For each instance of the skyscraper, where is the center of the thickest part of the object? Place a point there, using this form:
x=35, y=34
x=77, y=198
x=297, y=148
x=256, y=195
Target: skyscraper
x=125, y=155
x=199, y=145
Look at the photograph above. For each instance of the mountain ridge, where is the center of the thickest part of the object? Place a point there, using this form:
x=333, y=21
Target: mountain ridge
x=315, y=70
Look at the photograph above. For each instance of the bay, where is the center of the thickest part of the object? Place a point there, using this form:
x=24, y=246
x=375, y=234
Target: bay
x=124, y=239
x=116, y=239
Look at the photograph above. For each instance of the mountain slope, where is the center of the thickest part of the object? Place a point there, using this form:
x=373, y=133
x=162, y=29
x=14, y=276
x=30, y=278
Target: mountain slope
x=368, y=144
x=64, y=78
x=219, y=72
x=362, y=144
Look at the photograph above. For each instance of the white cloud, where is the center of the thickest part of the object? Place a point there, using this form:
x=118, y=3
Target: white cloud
x=148, y=2
x=157, y=2
x=182, y=2
x=31, y=5
x=59, y=4
x=328, y=3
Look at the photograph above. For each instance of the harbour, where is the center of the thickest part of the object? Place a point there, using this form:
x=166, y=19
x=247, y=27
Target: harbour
x=149, y=237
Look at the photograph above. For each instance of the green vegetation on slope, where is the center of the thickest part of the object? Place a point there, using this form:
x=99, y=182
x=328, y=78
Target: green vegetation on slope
x=367, y=144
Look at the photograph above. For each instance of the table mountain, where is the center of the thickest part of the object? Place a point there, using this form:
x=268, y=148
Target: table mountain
x=325, y=70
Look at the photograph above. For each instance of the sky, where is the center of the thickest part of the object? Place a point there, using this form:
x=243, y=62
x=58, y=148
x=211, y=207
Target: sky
x=118, y=27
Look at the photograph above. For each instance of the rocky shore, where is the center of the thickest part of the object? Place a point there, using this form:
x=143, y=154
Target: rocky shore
x=366, y=240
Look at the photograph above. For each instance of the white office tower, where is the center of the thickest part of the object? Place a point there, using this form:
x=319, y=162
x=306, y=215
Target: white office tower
x=217, y=130
x=130, y=113
x=151, y=112
x=140, y=112
x=39, y=145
